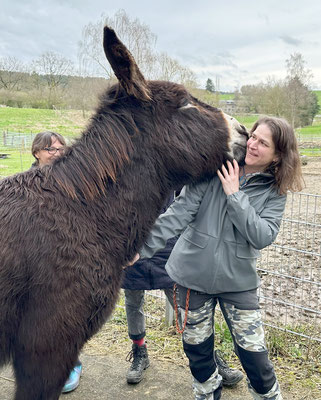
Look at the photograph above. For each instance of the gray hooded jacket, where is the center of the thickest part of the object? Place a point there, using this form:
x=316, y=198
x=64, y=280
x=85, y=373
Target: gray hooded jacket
x=220, y=235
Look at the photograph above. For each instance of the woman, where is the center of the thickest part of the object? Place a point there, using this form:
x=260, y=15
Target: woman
x=46, y=147
x=223, y=224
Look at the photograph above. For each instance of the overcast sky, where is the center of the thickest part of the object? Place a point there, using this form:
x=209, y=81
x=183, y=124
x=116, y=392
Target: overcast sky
x=239, y=41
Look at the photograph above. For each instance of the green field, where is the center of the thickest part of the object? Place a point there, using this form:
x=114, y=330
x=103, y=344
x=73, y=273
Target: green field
x=226, y=96
x=31, y=120
x=247, y=119
x=310, y=136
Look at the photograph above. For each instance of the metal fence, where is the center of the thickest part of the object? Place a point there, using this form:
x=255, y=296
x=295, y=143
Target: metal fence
x=17, y=140
x=290, y=270
x=313, y=137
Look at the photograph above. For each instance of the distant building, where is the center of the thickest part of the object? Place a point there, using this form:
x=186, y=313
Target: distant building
x=231, y=106
x=228, y=106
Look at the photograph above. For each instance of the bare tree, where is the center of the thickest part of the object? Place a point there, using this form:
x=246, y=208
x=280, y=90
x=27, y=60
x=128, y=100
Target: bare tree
x=138, y=38
x=84, y=90
x=273, y=97
x=51, y=70
x=11, y=73
x=295, y=67
x=297, y=89
x=290, y=98
x=169, y=69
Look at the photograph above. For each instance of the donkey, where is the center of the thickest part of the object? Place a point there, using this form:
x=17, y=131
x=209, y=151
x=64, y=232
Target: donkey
x=67, y=229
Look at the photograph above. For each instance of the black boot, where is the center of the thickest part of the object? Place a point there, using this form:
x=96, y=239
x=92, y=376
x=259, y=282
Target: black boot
x=139, y=359
x=230, y=376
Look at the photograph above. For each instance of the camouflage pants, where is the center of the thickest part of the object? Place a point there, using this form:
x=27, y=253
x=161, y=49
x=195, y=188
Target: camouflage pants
x=248, y=335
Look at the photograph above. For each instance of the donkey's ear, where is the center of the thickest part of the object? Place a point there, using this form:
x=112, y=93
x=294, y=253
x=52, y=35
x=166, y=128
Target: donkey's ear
x=124, y=66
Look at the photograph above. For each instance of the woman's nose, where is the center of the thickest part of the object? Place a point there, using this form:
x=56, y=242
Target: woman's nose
x=252, y=143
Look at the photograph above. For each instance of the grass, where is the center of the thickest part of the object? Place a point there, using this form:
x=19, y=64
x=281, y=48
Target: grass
x=69, y=123
x=226, y=96
x=247, y=119
x=17, y=161
x=311, y=152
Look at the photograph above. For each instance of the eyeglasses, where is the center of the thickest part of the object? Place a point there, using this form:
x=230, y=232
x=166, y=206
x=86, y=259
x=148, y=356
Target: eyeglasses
x=53, y=150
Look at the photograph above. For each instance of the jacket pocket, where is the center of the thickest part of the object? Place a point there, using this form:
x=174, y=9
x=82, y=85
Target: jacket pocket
x=246, y=251
x=197, y=238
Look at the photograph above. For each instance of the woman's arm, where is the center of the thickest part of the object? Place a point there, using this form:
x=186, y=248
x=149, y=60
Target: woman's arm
x=259, y=230
x=175, y=219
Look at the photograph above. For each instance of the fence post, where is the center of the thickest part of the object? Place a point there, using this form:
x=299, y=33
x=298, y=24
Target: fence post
x=169, y=314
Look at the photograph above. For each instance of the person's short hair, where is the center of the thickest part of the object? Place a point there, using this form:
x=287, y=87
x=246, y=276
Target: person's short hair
x=287, y=168
x=43, y=140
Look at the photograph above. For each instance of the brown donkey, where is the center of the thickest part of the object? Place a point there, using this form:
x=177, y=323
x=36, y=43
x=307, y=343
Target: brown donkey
x=67, y=229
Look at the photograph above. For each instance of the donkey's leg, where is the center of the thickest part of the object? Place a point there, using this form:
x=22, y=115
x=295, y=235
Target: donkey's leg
x=42, y=376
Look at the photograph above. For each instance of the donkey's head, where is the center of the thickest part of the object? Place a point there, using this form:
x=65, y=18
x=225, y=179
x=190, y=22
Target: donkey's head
x=179, y=127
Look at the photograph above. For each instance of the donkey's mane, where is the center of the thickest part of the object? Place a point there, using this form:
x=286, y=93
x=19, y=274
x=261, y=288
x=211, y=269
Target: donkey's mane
x=98, y=156
x=121, y=129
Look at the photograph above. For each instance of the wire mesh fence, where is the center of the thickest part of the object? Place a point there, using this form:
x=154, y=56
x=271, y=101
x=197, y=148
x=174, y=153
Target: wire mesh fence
x=290, y=294
x=17, y=139
x=290, y=270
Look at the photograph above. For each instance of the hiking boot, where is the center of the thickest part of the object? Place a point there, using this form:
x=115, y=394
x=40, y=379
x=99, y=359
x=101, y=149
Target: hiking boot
x=230, y=376
x=139, y=358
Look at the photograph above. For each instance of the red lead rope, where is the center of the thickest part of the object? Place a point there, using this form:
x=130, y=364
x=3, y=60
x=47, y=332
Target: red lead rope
x=176, y=309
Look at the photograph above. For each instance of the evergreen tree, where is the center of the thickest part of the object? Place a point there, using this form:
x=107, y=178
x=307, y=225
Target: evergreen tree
x=210, y=85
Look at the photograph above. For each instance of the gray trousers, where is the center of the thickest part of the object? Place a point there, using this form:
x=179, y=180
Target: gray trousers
x=134, y=305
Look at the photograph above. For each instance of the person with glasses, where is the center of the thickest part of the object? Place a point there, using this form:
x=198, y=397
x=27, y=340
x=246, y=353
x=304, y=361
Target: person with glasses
x=46, y=147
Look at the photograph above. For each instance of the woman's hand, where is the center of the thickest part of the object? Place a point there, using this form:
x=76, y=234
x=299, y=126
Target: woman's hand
x=132, y=262
x=230, y=177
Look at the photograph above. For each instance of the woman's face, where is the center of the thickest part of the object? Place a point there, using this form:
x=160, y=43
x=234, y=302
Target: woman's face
x=47, y=155
x=260, y=149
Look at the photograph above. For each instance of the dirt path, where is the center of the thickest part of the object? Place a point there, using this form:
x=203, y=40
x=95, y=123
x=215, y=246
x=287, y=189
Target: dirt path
x=103, y=378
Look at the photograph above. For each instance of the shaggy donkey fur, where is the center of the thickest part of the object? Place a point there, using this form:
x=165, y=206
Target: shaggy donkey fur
x=68, y=228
